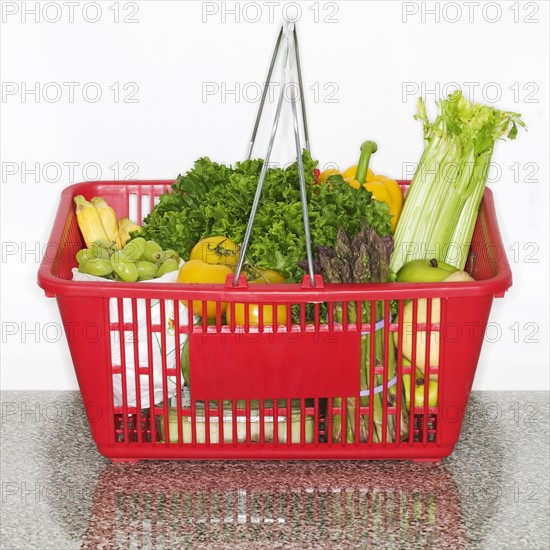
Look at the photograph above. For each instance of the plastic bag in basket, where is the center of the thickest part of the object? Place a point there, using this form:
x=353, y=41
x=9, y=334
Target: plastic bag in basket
x=130, y=348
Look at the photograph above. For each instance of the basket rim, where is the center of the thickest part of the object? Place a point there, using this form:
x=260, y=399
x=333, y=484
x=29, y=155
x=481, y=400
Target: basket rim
x=288, y=292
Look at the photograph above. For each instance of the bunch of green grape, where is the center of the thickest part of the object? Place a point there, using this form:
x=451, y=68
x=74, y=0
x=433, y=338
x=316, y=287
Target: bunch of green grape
x=139, y=260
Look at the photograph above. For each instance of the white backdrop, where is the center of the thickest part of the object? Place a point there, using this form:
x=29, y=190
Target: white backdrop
x=111, y=90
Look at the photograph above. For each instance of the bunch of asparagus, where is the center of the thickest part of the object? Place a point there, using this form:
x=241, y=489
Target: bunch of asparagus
x=364, y=259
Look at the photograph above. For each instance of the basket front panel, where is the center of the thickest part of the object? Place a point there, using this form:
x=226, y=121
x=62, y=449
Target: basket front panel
x=256, y=365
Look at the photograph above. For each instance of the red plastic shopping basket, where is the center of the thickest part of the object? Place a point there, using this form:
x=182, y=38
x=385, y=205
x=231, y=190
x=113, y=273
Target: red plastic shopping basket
x=264, y=392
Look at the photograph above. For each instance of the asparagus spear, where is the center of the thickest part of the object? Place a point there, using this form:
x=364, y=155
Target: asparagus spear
x=363, y=259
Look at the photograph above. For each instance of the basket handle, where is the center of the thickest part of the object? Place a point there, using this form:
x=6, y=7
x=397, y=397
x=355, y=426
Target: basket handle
x=266, y=89
x=264, y=94
x=289, y=56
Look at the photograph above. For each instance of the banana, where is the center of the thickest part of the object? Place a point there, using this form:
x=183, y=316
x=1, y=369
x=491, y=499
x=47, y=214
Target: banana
x=125, y=226
x=109, y=220
x=89, y=221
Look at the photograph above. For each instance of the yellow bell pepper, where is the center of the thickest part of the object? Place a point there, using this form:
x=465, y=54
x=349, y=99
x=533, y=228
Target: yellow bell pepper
x=351, y=172
x=325, y=174
x=382, y=188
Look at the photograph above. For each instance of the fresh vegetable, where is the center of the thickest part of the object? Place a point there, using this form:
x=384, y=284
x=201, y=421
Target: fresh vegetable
x=421, y=334
x=254, y=314
x=325, y=174
x=382, y=188
x=89, y=221
x=367, y=149
x=266, y=276
x=196, y=271
x=424, y=271
x=351, y=173
x=108, y=219
x=258, y=276
x=213, y=199
x=364, y=259
x=387, y=190
x=443, y=200
x=216, y=250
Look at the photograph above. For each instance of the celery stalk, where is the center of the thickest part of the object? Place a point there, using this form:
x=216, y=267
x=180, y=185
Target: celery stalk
x=442, y=203
x=467, y=219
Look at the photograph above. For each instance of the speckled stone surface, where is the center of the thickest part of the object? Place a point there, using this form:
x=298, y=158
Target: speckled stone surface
x=491, y=493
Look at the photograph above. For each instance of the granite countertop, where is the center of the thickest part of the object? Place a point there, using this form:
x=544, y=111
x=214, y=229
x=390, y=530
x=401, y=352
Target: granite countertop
x=58, y=492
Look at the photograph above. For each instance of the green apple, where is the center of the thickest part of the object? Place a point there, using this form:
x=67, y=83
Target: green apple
x=424, y=271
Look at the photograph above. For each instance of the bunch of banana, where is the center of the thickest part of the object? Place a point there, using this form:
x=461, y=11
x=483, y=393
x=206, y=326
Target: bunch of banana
x=98, y=222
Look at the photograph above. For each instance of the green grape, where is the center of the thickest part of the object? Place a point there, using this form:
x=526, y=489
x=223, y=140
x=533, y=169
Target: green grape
x=168, y=266
x=146, y=270
x=102, y=243
x=118, y=257
x=82, y=256
x=153, y=252
x=100, y=267
x=126, y=271
x=101, y=251
x=169, y=254
x=134, y=250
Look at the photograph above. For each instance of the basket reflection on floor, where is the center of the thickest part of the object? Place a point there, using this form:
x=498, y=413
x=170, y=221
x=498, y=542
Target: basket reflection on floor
x=309, y=504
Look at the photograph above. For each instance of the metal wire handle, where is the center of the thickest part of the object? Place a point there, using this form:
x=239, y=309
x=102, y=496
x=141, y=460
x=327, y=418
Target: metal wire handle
x=264, y=94
x=293, y=54
x=290, y=54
